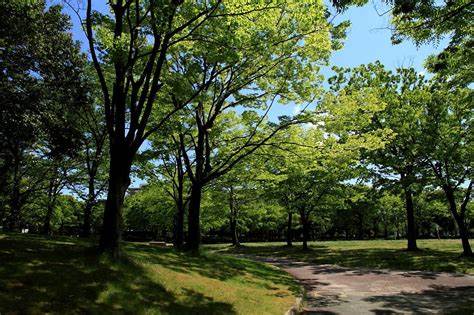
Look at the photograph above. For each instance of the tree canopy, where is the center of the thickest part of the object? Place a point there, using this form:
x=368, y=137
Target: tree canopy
x=172, y=122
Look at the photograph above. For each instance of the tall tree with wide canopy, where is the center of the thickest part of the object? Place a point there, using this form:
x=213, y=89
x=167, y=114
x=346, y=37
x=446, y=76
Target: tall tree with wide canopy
x=448, y=149
x=313, y=164
x=42, y=89
x=267, y=53
x=134, y=39
x=405, y=94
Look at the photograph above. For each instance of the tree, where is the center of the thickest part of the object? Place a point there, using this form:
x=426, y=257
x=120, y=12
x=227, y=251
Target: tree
x=242, y=187
x=150, y=210
x=134, y=40
x=326, y=153
x=405, y=93
x=91, y=169
x=164, y=161
x=271, y=59
x=58, y=176
x=42, y=90
x=448, y=150
x=390, y=209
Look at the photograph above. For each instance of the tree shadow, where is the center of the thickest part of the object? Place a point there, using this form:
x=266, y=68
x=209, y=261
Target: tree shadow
x=66, y=278
x=320, y=312
x=325, y=300
x=384, y=312
x=371, y=258
x=438, y=299
x=215, y=266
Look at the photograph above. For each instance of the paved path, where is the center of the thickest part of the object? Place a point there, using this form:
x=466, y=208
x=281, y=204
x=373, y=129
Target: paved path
x=336, y=290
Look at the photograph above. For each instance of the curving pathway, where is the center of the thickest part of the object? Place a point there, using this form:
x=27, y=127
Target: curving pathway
x=332, y=289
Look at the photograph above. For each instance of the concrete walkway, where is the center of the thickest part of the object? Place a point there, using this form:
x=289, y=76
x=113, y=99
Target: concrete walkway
x=332, y=289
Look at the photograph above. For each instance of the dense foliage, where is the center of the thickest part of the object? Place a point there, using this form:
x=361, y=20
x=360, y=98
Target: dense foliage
x=166, y=130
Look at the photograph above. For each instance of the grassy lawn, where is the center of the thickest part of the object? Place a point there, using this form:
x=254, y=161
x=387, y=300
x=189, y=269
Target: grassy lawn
x=64, y=275
x=436, y=255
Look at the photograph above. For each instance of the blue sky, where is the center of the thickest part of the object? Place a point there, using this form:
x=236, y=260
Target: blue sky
x=368, y=40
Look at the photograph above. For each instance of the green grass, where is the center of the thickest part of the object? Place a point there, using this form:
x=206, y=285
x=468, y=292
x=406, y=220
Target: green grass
x=435, y=255
x=66, y=276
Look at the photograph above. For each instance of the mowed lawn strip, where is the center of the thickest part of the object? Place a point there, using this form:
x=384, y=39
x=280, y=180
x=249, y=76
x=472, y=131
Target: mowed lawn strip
x=435, y=255
x=65, y=275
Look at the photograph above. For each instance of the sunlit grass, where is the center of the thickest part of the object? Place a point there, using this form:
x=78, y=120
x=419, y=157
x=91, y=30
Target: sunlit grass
x=435, y=255
x=66, y=276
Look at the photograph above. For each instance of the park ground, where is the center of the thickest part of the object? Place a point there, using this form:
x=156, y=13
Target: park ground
x=374, y=277
x=65, y=275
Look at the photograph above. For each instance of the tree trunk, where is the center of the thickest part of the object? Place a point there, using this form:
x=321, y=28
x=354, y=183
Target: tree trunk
x=360, y=230
x=47, y=220
x=289, y=230
x=179, y=223
x=233, y=218
x=15, y=202
x=178, y=194
x=464, y=235
x=461, y=224
x=375, y=228
x=411, y=226
x=233, y=230
x=86, y=227
x=119, y=180
x=194, y=232
x=15, y=208
x=305, y=232
x=50, y=206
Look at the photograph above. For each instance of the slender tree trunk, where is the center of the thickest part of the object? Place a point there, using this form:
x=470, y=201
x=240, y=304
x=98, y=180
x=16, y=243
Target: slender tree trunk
x=15, y=202
x=119, y=180
x=233, y=218
x=461, y=224
x=52, y=193
x=305, y=222
x=233, y=229
x=178, y=228
x=15, y=208
x=411, y=226
x=179, y=223
x=86, y=227
x=360, y=233
x=289, y=230
x=47, y=220
x=194, y=232
x=375, y=228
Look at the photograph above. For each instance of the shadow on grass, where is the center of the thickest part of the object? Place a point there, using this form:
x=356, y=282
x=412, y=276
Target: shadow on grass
x=60, y=276
x=379, y=258
x=215, y=266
